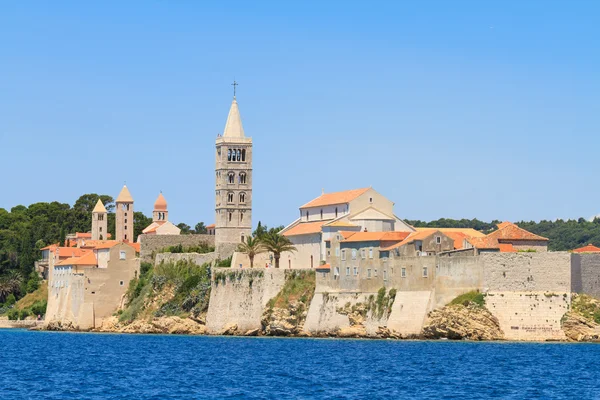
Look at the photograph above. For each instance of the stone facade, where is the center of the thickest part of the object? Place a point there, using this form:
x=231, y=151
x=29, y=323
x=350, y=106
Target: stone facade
x=585, y=273
x=124, y=216
x=151, y=244
x=195, y=258
x=233, y=182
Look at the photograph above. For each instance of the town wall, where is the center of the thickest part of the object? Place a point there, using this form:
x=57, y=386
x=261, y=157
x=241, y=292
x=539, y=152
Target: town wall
x=585, y=273
x=528, y=293
x=238, y=297
x=196, y=258
x=152, y=244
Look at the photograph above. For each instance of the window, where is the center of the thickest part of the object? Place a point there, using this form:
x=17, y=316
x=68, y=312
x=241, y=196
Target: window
x=242, y=197
x=328, y=253
x=403, y=272
x=231, y=177
x=125, y=220
x=242, y=177
x=125, y=235
x=122, y=255
x=228, y=155
x=354, y=254
x=347, y=271
x=370, y=199
x=239, y=155
x=100, y=229
x=438, y=239
x=369, y=273
x=230, y=197
x=121, y=283
x=336, y=271
x=355, y=271
x=363, y=253
x=311, y=261
x=321, y=213
x=241, y=218
x=375, y=271
x=344, y=255
x=370, y=252
x=243, y=154
x=337, y=251
x=385, y=275
x=230, y=216
x=336, y=212
x=425, y=272
x=242, y=238
x=307, y=215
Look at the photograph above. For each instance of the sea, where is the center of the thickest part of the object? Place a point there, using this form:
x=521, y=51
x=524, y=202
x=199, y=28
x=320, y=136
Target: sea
x=59, y=365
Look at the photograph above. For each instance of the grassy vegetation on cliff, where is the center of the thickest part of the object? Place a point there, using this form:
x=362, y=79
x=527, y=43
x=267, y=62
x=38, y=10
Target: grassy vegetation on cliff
x=181, y=289
x=33, y=304
x=202, y=248
x=299, y=286
x=472, y=297
x=587, y=306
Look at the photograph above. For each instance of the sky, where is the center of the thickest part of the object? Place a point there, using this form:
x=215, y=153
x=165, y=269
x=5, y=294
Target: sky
x=462, y=109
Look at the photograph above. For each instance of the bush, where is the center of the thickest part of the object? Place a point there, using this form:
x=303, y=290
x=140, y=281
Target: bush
x=226, y=263
x=13, y=314
x=472, y=297
x=33, y=283
x=10, y=300
x=24, y=314
x=39, y=307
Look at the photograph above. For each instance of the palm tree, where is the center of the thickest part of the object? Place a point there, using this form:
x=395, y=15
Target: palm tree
x=10, y=283
x=251, y=248
x=277, y=244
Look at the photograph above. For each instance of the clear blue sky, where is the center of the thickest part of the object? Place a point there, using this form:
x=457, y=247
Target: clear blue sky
x=486, y=109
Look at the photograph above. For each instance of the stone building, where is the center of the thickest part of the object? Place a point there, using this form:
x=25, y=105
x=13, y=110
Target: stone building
x=351, y=210
x=99, y=222
x=508, y=238
x=233, y=189
x=160, y=220
x=91, y=286
x=124, y=216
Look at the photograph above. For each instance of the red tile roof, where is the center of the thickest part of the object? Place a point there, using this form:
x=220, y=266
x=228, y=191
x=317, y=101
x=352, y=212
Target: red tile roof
x=305, y=228
x=87, y=258
x=136, y=246
x=326, y=267
x=210, y=226
x=510, y=231
x=590, y=248
x=328, y=199
x=389, y=236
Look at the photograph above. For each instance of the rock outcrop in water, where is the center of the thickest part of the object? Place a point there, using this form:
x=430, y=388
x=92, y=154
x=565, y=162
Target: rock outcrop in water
x=580, y=323
x=168, y=325
x=458, y=322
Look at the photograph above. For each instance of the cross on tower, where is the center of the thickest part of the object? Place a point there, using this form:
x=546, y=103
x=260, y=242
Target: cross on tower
x=234, y=84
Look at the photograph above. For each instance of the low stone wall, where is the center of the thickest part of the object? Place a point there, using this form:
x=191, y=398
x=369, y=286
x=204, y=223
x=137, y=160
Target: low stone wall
x=28, y=323
x=196, y=258
x=238, y=297
x=150, y=244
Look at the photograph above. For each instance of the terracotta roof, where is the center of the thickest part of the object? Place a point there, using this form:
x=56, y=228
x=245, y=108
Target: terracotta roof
x=52, y=247
x=305, y=228
x=590, y=248
x=93, y=244
x=324, y=267
x=65, y=252
x=136, y=246
x=484, y=242
x=365, y=237
x=88, y=258
x=82, y=235
x=107, y=244
x=458, y=238
x=124, y=196
x=506, y=248
x=151, y=228
x=160, y=204
x=510, y=231
x=210, y=226
x=419, y=235
x=99, y=208
x=328, y=199
x=466, y=231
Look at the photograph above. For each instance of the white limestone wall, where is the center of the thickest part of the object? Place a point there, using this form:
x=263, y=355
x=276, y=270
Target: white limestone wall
x=409, y=311
x=528, y=293
x=242, y=298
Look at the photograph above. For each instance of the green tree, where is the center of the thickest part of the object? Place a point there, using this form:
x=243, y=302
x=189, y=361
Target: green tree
x=185, y=228
x=251, y=247
x=277, y=244
x=140, y=222
x=200, y=228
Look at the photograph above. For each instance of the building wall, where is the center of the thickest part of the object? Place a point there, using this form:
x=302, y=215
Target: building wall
x=150, y=244
x=99, y=226
x=307, y=246
x=124, y=222
x=585, y=273
x=168, y=229
x=329, y=212
x=539, y=246
x=196, y=258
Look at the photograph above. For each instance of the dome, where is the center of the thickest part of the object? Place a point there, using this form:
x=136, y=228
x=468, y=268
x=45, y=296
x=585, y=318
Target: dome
x=160, y=204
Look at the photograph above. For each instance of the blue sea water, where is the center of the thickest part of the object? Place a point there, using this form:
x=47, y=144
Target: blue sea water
x=54, y=365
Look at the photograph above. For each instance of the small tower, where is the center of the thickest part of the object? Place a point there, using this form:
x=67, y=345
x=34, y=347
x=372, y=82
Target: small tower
x=124, y=216
x=233, y=189
x=160, y=213
x=99, y=222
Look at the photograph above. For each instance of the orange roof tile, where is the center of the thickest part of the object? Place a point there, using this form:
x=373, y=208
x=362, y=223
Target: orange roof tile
x=324, y=267
x=52, y=247
x=210, y=226
x=66, y=252
x=484, y=242
x=466, y=231
x=458, y=237
x=136, y=246
x=506, y=248
x=388, y=236
x=510, y=231
x=87, y=258
x=590, y=248
x=328, y=199
x=82, y=235
x=346, y=234
x=106, y=244
x=341, y=224
x=305, y=228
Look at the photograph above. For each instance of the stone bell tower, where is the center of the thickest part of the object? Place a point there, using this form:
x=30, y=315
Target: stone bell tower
x=124, y=216
x=99, y=222
x=233, y=189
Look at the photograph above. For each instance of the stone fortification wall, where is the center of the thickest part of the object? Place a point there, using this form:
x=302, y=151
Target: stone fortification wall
x=195, y=258
x=150, y=244
x=238, y=297
x=454, y=276
x=585, y=274
x=528, y=293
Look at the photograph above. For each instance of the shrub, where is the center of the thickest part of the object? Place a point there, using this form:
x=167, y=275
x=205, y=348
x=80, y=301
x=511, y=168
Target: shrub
x=24, y=314
x=226, y=263
x=472, y=297
x=39, y=307
x=13, y=314
x=10, y=300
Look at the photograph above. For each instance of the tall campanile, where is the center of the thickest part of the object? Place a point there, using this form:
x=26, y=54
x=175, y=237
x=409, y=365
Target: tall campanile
x=233, y=189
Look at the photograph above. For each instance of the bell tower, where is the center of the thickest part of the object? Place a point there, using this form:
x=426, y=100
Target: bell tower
x=99, y=222
x=124, y=216
x=233, y=189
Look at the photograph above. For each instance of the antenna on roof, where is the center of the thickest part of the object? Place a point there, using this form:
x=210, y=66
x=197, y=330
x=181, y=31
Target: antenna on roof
x=323, y=191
